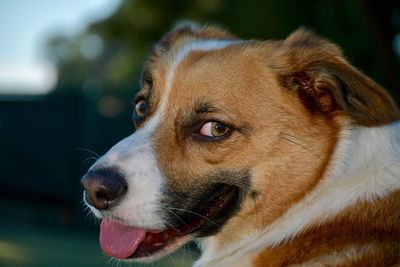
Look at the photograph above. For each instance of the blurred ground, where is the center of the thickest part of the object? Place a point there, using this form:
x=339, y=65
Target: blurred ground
x=33, y=245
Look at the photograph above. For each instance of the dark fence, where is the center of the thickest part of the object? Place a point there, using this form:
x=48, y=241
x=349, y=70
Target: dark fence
x=43, y=142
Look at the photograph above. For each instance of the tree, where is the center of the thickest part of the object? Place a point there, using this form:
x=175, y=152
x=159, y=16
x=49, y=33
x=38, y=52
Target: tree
x=126, y=36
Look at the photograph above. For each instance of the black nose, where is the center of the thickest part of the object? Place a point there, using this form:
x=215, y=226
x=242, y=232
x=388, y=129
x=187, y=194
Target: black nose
x=103, y=187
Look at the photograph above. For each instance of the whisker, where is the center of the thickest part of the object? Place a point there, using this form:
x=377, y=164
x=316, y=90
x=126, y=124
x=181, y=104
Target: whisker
x=170, y=225
x=88, y=150
x=176, y=215
x=197, y=214
x=171, y=257
x=189, y=252
x=90, y=158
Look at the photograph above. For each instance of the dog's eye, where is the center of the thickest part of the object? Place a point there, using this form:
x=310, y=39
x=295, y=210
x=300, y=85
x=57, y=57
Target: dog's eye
x=141, y=108
x=214, y=129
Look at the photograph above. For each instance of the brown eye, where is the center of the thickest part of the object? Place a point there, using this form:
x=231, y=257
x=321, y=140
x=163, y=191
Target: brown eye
x=141, y=109
x=214, y=129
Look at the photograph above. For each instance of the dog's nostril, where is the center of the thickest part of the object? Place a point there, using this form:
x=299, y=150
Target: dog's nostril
x=110, y=194
x=102, y=195
x=103, y=187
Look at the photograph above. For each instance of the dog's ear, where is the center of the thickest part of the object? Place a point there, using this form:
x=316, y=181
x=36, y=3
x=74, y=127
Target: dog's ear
x=186, y=31
x=326, y=82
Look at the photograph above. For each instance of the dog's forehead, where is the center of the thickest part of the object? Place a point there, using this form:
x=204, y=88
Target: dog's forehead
x=184, y=57
x=188, y=65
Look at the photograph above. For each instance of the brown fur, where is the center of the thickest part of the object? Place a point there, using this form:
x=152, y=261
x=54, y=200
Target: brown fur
x=359, y=226
x=287, y=100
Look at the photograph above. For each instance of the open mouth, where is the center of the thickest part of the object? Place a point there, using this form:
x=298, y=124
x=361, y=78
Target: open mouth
x=125, y=242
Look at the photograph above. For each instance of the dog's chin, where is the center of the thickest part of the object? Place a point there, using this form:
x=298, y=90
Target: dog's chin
x=160, y=253
x=128, y=243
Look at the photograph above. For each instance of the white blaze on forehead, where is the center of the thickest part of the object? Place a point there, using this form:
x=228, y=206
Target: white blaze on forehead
x=179, y=56
x=135, y=158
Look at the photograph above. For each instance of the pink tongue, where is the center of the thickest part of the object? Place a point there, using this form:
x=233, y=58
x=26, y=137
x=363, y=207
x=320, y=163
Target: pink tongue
x=119, y=241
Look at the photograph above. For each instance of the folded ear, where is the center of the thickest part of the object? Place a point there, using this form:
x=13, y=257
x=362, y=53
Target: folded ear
x=186, y=31
x=327, y=83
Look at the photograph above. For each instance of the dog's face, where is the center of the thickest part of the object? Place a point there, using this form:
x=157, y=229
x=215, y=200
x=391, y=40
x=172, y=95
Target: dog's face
x=229, y=135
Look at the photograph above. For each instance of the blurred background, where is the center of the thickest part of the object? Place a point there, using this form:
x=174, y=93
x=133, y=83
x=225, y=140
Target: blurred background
x=69, y=70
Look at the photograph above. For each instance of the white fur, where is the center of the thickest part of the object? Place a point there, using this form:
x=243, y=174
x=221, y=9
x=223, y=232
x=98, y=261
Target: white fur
x=135, y=157
x=365, y=166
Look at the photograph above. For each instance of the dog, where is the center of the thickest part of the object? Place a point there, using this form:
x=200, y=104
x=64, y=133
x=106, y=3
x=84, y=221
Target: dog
x=267, y=153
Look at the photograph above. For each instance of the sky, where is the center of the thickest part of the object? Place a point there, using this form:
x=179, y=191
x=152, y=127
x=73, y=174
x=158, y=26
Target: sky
x=24, y=28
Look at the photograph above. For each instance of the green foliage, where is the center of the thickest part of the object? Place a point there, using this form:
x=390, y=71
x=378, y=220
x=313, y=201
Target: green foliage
x=136, y=25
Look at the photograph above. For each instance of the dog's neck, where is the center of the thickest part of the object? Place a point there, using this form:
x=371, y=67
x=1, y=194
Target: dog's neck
x=365, y=166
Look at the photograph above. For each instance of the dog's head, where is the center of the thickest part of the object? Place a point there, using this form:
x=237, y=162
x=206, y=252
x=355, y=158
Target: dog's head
x=230, y=134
